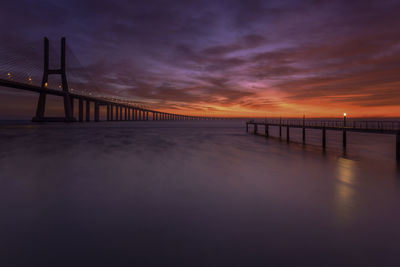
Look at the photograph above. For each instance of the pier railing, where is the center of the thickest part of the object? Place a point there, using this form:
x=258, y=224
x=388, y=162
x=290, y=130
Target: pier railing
x=356, y=125
x=345, y=125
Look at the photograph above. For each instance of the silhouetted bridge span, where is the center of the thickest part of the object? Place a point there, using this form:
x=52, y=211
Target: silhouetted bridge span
x=116, y=111
x=376, y=127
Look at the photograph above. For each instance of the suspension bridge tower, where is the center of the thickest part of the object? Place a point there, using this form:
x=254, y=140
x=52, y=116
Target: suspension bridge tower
x=41, y=105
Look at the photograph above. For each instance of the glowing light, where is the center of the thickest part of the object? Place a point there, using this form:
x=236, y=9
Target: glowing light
x=45, y=84
x=344, y=114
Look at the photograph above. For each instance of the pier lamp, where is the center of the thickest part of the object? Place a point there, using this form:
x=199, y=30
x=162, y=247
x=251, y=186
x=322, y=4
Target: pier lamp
x=344, y=119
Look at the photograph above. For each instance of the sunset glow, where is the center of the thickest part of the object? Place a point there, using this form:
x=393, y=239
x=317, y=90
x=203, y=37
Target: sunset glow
x=229, y=58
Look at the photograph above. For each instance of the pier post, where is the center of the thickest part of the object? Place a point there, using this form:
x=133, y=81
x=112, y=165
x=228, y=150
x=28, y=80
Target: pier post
x=280, y=128
x=96, y=112
x=247, y=127
x=87, y=110
x=80, y=110
x=129, y=114
x=304, y=130
x=324, y=137
x=266, y=130
x=287, y=134
x=255, y=128
x=344, y=139
x=398, y=146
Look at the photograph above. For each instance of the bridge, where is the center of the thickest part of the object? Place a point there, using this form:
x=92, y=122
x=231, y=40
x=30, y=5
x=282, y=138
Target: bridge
x=376, y=127
x=116, y=110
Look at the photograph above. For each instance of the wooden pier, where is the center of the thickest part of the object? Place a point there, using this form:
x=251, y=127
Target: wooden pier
x=377, y=127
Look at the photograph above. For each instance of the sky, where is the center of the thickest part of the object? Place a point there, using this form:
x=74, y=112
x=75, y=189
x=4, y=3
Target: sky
x=225, y=58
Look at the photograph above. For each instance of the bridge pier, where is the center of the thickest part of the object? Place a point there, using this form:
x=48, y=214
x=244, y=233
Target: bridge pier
x=96, y=111
x=108, y=112
x=87, y=110
x=80, y=108
x=287, y=133
x=344, y=139
x=324, y=137
x=116, y=112
x=255, y=129
x=266, y=130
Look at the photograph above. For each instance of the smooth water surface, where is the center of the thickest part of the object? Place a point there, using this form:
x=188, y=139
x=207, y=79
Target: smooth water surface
x=194, y=194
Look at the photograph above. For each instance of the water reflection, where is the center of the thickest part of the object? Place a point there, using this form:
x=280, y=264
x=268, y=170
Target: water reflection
x=344, y=190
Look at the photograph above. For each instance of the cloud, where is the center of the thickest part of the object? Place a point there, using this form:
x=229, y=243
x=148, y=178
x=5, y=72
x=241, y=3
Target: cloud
x=230, y=54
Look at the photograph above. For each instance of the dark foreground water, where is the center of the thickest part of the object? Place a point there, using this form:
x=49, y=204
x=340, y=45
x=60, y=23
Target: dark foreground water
x=194, y=194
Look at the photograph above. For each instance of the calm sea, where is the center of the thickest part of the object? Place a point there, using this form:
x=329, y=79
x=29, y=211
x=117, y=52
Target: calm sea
x=194, y=194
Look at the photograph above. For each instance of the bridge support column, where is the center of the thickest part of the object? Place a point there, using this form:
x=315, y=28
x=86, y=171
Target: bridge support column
x=80, y=110
x=96, y=111
x=344, y=139
x=120, y=113
x=255, y=128
x=324, y=137
x=129, y=114
x=247, y=127
x=111, y=112
x=87, y=110
x=108, y=112
x=126, y=113
x=266, y=130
